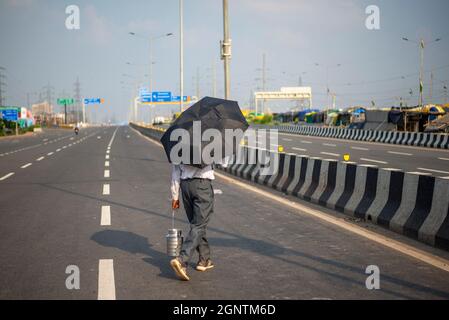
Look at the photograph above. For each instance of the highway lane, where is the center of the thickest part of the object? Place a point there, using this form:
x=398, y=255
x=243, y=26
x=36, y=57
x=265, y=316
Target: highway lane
x=48, y=214
x=25, y=157
x=14, y=144
x=411, y=159
x=262, y=250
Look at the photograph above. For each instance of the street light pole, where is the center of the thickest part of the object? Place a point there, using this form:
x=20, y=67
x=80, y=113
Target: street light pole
x=181, y=57
x=421, y=44
x=226, y=49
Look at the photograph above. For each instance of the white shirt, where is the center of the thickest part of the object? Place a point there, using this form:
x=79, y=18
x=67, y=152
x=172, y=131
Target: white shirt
x=183, y=172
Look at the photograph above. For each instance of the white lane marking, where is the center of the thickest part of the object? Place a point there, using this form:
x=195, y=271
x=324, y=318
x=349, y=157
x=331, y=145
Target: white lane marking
x=444, y=159
x=107, y=173
x=70, y=145
x=107, y=157
x=26, y=165
x=218, y=191
x=299, y=149
x=359, y=148
x=45, y=140
x=409, y=250
x=400, y=153
x=330, y=154
x=106, y=282
x=7, y=176
x=98, y=137
x=106, y=189
x=375, y=161
x=127, y=137
x=307, y=142
x=284, y=139
x=64, y=147
x=433, y=170
x=106, y=163
x=40, y=159
x=108, y=151
x=105, y=215
x=58, y=150
x=445, y=178
x=329, y=145
x=50, y=153
x=112, y=139
x=72, y=138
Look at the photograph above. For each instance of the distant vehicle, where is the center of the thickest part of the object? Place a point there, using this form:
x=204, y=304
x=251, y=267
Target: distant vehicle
x=77, y=130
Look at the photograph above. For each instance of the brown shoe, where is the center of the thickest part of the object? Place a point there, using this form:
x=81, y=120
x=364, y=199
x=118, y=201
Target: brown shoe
x=180, y=269
x=204, y=265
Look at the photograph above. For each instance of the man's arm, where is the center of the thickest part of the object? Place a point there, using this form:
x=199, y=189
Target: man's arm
x=174, y=188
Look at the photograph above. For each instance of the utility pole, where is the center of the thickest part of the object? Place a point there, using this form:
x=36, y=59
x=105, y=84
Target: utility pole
x=421, y=73
x=197, y=82
x=431, y=88
x=2, y=84
x=264, y=79
x=181, y=57
x=226, y=50
x=214, y=79
x=77, y=95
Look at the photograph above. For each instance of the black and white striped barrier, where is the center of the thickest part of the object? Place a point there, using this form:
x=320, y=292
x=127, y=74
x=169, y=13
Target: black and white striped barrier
x=430, y=140
x=408, y=203
x=412, y=204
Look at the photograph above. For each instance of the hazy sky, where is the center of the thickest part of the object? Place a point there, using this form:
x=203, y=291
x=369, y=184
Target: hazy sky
x=36, y=48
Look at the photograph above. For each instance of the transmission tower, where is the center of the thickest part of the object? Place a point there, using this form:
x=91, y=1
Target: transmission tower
x=2, y=85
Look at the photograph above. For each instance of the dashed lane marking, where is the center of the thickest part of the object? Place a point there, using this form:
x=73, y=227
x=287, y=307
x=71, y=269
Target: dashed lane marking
x=26, y=165
x=50, y=153
x=107, y=173
x=360, y=148
x=40, y=159
x=106, y=189
x=7, y=176
x=105, y=215
x=107, y=157
x=299, y=149
x=330, y=154
x=444, y=159
x=329, y=145
x=306, y=142
x=433, y=170
x=372, y=160
x=106, y=163
x=106, y=282
x=400, y=153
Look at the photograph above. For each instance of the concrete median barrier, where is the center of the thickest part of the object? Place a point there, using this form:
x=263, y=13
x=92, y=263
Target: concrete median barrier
x=412, y=204
x=420, y=139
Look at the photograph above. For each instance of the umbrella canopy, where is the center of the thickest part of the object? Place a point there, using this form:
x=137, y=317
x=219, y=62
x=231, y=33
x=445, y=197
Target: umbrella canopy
x=208, y=113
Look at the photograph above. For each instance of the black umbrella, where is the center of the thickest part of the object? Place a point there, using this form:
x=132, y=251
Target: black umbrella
x=212, y=113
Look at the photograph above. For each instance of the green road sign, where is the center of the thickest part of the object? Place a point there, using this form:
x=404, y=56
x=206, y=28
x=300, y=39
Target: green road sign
x=67, y=101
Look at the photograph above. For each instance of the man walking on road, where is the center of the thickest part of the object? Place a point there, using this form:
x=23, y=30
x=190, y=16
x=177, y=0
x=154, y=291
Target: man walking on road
x=198, y=199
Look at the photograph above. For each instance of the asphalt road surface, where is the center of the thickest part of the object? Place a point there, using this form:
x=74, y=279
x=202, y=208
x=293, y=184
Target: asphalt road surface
x=428, y=161
x=107, y=213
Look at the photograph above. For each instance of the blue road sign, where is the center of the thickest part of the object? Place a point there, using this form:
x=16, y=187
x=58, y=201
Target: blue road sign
x=178, y=98
x=93, y=101
x=145, y=97
x=10, y=114
x=161, y=96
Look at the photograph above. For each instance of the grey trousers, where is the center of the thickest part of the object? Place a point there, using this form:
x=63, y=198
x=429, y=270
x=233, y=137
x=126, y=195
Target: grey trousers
x=198, y=199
